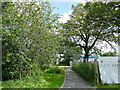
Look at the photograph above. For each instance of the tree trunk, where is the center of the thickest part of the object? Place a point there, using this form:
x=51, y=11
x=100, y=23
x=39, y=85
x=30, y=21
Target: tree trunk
x=27, y=71
x=86, y=55
x=20, y=70
x=96, y=72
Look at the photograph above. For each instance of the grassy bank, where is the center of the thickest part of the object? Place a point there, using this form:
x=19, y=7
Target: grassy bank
x=25, y=82
x=38, y=80
x=107, y=86
x=53, y=80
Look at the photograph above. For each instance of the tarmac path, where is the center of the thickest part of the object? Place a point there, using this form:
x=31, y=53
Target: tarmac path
x=74, y=81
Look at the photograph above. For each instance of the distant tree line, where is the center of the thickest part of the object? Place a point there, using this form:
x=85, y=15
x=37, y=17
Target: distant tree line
x=109, y=54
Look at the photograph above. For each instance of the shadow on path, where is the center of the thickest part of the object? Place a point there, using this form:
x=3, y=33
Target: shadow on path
x=74, y=81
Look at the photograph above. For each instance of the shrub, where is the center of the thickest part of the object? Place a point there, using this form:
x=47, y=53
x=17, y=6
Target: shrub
x=43, y=68
x=63, y=64
x=55, y=70
x=85, y=70
x=34, y=81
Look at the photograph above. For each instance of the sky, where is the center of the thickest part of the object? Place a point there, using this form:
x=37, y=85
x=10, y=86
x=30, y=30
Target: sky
x=64, y=8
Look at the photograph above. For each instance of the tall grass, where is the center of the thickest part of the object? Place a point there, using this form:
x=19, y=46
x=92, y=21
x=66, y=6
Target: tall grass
x=33, y=81
x=53, y=77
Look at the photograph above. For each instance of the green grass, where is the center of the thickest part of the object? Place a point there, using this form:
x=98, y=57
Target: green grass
x=37, y=80
x=55, y=70
x=107, y=86
x=53, y=80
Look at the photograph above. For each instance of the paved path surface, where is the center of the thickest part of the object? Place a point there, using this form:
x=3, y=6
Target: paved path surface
x=73, y=80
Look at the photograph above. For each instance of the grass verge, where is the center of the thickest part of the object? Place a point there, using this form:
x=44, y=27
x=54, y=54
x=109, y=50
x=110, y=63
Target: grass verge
x=37, y=80
x=108, y=86
x=53, y=80
x=25, y=82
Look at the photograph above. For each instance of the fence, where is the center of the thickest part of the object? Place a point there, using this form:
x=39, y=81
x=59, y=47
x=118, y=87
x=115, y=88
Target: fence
x=109, y=68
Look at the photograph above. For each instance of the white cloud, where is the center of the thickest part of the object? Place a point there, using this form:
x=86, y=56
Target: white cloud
x=65, y=17
x=82, y=1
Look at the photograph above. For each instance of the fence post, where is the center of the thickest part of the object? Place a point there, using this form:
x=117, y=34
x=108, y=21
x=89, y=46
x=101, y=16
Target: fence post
x=96, y=71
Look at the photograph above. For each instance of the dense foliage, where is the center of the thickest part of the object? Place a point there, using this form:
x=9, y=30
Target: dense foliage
x=85, y=70
x=55, y=70
x=43, y=68
x=29, y=38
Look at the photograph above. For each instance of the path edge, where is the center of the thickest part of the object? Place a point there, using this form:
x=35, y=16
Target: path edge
x=64, y=79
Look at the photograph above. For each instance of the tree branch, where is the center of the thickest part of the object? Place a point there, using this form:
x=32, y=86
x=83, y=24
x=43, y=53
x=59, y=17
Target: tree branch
x=110, y=45
x=95, y=40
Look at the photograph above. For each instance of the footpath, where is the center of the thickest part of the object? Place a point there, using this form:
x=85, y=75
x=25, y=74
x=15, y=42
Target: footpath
x=74, y=81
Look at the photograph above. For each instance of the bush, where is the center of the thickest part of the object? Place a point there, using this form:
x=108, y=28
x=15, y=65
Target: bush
x=55, y=70
x=63, y=64
x=43, y=68
x=85, y=70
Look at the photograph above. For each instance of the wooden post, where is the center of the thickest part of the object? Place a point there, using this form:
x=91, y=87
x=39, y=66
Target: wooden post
x=96, y=71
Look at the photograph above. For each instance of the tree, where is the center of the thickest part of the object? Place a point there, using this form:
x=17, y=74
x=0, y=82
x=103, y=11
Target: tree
x=89, y=25
x=66, y=49
x=29, y=38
